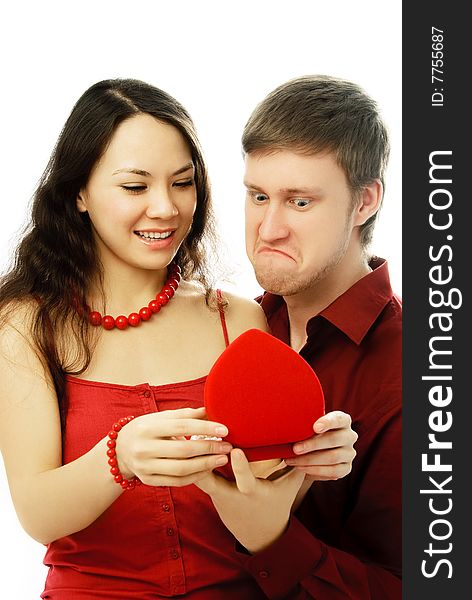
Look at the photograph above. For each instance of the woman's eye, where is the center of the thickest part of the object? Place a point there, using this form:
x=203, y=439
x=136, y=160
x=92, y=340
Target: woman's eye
x=300, y=202
x=184, y=184
x=134, y=189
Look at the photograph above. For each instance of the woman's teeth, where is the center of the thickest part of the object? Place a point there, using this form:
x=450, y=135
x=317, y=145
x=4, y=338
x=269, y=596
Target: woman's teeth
x=154, y=235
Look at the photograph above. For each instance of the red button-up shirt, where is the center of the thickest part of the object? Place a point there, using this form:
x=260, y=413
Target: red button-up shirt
x=345, y=540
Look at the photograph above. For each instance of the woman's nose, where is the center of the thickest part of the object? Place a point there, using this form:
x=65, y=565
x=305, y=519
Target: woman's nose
x=160, y=205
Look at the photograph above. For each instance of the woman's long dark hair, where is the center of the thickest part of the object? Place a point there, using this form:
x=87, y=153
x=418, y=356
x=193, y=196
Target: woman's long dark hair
x=56, y=262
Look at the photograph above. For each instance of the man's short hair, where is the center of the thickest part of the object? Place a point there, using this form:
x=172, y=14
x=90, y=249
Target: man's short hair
x=318, y=114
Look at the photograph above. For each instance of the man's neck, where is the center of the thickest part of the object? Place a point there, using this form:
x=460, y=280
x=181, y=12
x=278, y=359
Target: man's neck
x=303, y=306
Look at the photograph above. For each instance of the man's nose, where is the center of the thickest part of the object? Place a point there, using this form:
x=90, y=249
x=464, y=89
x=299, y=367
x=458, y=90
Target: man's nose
x=273, y=226
x=161, y=205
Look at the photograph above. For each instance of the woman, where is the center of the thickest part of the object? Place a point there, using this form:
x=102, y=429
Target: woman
x=111, y=283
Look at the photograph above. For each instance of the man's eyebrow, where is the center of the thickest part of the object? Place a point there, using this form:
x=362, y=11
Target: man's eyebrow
x=143, y=173
x=301, y=190
x=252, y=186
x=295, y=190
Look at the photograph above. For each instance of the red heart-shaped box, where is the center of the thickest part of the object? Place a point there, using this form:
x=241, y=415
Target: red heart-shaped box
x=265, y=393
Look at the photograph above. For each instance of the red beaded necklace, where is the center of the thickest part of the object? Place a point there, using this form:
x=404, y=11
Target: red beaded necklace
x=134, y=319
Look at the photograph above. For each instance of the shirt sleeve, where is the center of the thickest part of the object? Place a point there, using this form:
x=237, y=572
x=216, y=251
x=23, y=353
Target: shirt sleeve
x=367, y=563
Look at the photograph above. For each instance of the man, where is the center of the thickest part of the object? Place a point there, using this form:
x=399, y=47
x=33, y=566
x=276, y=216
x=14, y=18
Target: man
x=315, y=152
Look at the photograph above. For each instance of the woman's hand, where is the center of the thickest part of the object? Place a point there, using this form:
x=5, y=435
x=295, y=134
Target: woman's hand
x=155, y=449
x=328, y=455
x=256, y=511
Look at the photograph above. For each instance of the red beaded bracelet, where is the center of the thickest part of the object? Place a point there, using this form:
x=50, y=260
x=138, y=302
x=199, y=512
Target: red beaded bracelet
x=126, y=484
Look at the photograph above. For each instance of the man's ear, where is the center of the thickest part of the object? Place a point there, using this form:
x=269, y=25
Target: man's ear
x=368, y=202
x=81, y=205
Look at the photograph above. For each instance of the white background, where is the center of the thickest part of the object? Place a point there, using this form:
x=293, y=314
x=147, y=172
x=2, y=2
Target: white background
x=218, y=59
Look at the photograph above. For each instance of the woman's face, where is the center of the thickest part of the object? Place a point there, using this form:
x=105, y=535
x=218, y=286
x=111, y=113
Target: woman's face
x=141, y=195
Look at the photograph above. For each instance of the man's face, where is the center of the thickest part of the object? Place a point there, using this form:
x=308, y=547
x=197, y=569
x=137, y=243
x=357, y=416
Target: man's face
x=300, y=220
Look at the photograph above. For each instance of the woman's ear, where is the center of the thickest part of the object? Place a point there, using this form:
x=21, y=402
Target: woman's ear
x=81, y=205
x=369, y=202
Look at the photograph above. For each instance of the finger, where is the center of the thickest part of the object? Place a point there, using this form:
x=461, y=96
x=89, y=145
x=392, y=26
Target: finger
x=326, y=472
x=336, y=438
x=331, y=456
x=335, y=419
x=168, y=480
x=245, y=480
x=182, y=413
x=182, y=467
x=172, y=425
x=189, y=448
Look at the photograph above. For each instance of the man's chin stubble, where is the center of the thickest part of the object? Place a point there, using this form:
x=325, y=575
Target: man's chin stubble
x=276, y=283
x=285, y=284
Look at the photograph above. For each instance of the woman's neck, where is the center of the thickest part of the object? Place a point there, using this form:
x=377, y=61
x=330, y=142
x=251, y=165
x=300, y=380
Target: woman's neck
x=127, y=290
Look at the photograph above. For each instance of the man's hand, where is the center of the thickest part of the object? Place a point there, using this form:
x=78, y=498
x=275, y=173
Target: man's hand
x=328, y=455
x=256, y=511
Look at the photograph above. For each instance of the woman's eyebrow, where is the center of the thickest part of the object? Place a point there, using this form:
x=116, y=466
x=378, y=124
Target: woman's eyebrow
x=132, y=170
x=143, y=173
x=186, y=167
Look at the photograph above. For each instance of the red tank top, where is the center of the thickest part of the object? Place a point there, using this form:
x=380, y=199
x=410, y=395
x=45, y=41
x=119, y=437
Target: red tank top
x=153, y=542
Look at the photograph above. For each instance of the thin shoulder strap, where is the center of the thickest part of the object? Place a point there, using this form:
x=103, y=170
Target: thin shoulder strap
x=221, y=310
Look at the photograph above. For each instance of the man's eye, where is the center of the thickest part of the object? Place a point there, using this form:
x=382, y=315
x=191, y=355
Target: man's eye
x=300, y=202
x=258, y=196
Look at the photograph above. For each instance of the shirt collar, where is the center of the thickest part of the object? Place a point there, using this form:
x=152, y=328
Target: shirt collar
x=356, y=310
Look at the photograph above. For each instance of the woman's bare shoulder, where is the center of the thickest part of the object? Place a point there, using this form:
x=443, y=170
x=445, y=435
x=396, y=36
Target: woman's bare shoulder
x=23, y=371
x=17, y=320
x=18, y=351
x=242, y=313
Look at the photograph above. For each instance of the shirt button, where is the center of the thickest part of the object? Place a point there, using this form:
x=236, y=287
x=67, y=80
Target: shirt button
x=264, y=574
x=165, y=507
x=170, y=531
x=174, y=554
x=147, y=393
